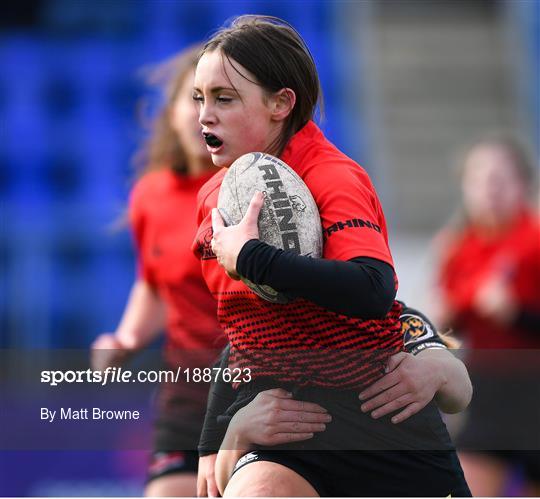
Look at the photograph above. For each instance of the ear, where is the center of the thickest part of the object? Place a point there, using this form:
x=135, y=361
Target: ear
x=282, y=103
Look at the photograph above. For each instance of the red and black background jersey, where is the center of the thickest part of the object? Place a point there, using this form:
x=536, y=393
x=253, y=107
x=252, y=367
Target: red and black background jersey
x=163, y=216
x=471, y=258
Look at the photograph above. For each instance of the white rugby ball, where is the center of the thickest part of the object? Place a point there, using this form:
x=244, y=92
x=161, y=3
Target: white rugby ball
x=289, y=218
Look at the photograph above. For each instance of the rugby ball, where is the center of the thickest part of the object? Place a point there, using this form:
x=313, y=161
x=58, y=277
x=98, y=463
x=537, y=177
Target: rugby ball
x=289, y=218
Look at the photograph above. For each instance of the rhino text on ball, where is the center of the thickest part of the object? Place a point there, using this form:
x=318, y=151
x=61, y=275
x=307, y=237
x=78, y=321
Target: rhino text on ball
x=283, y=208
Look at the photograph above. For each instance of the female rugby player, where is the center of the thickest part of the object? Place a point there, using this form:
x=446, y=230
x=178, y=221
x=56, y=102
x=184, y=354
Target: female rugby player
x=257, y=88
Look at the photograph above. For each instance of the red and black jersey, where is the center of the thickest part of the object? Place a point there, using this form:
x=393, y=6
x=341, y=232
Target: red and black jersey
x=291, y=342
x=163, y=216
x=471, y=258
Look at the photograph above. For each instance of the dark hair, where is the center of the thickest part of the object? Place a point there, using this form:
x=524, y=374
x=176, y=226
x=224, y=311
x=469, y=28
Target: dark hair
x=162, y=148
x=275, y=53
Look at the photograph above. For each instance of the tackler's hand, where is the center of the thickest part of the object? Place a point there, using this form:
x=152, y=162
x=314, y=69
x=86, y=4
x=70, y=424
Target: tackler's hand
x=108, y=351
x=410, y=384
x=206, y=480
x=228, y=241
x=273, y=417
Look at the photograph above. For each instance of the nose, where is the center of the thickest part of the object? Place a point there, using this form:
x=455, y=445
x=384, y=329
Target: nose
x=206, y=114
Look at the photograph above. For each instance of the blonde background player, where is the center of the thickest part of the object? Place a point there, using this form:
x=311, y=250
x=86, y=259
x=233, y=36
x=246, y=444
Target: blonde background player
x=169, y=293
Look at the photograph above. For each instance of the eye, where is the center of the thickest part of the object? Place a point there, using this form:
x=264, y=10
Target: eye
x=223, y=99
x=197, y=98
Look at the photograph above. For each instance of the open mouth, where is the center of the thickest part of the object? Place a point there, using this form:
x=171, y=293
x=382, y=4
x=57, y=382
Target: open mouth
x=212, y=140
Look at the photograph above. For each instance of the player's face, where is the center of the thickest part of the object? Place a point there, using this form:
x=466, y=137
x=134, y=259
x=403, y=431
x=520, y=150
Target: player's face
x=235, y=113
x=492, y=188
x=184, y=121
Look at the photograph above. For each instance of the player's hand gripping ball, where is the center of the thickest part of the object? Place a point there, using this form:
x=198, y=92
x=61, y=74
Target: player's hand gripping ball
x=286, y=214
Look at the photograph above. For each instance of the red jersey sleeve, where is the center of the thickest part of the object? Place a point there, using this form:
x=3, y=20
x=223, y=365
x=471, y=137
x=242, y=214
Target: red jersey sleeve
x=351, y=215
x=138, y=217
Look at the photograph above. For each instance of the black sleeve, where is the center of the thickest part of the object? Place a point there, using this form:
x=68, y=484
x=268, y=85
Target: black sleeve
x=220, y=396
x=362, y=287
x=419, y=333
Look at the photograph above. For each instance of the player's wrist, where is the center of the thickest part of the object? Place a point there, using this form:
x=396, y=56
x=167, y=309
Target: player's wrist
x=418, y=348
x=437, y=365
x=236, y=439
x=127, y=341
x=108, y=351
x=245, y=253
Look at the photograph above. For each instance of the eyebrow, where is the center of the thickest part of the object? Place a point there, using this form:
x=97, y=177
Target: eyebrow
x=216, y=90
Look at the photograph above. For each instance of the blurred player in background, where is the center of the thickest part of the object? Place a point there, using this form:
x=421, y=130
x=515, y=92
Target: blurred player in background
x=169, y=293
x=489, y=292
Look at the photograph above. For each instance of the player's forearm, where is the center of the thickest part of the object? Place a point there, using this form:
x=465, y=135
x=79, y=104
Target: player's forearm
x=455, y=391
x=363, y=287
x=143, y=318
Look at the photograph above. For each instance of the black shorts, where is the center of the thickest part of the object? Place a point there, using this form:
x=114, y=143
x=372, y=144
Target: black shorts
x=372, y=473
x=168, y=463
x=359, y=456
x=180, y=411
x=502, y=419
x=527, y=461
x=180, y=414
x=503, y=414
